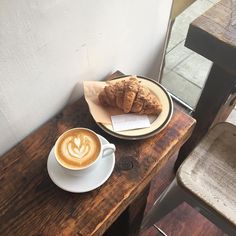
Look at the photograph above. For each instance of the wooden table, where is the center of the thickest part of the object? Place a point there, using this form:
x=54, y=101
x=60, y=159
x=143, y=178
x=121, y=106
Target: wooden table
x=213, y=35
x=31, y=204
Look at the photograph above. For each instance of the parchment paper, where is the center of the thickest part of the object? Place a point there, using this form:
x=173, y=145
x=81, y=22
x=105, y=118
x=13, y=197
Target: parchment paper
x=100, y=113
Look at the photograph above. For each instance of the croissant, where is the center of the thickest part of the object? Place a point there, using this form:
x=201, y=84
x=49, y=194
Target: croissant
x=130, y=96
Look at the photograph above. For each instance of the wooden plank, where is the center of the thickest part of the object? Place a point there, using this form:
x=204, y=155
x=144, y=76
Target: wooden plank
x=30, y=204
x=129, y=221
x=184, y=220
x=213, y=35
x=212, y=165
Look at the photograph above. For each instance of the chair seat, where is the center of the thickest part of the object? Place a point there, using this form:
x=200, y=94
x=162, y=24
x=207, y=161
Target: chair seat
x=210, y=171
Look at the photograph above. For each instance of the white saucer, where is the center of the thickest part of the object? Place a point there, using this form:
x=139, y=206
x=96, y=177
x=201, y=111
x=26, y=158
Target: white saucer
x=85, y=182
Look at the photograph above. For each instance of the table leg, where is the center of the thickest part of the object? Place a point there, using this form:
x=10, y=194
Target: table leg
x=129, y=222
x=218, y=87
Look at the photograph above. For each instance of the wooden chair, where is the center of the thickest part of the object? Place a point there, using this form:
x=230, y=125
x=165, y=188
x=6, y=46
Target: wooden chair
x=206, y=180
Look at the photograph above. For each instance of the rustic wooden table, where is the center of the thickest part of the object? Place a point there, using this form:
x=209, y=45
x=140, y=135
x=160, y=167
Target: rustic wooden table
x=31, y=204
x=213, y=35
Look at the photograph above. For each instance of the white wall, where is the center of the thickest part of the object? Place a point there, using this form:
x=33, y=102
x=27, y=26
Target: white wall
x=47, y=47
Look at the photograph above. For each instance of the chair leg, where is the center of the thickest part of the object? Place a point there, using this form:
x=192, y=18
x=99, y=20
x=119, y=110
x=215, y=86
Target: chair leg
x=168, y=200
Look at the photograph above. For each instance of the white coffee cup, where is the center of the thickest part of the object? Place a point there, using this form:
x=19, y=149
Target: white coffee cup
x=79, y=150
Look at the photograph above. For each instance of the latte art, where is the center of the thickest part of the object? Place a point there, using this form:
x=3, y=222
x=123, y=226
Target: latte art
x=77, y=148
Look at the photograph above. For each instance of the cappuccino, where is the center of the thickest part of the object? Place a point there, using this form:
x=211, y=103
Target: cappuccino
x=77, y=148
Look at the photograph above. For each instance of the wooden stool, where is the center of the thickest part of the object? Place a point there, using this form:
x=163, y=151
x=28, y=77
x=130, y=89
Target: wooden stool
x=206, y=180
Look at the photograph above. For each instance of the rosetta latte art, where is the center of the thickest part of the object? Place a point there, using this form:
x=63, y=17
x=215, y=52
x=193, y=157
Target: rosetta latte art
x=78, y=149
x=77, y=146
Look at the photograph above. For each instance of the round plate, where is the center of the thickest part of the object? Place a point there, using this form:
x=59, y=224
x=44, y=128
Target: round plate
x=157, y=122
x=85, y=182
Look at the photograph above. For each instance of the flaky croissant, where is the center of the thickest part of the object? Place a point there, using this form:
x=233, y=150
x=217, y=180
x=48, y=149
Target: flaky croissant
x=130, y=96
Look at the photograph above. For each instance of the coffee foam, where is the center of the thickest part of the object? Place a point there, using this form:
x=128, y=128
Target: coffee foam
x=78, y=148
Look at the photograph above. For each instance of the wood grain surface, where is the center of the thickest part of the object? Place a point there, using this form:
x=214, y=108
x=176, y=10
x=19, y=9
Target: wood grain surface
x=30, y=204
x=184, y=220
x=212, y=180
x=213, y=35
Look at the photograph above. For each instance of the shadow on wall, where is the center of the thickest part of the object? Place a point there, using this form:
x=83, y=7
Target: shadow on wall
x=78, y=90
x=153, y=70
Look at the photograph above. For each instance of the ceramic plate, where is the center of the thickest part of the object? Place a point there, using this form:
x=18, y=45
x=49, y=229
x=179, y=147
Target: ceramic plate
x=85, y=182
x=157, y=122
